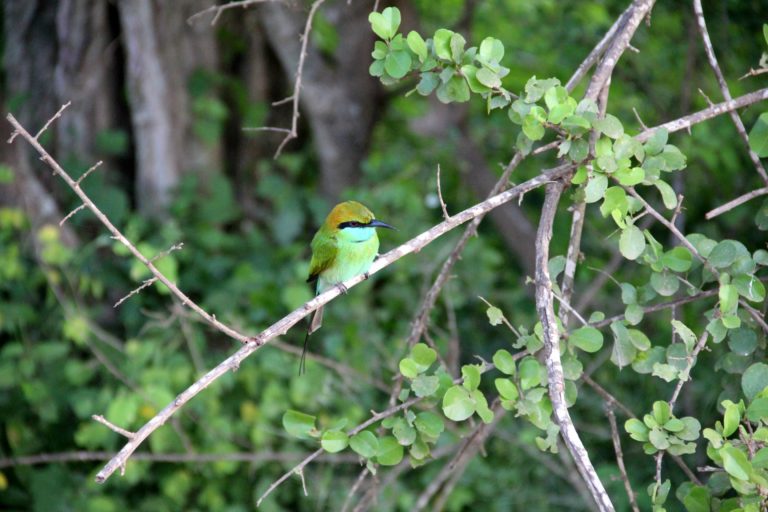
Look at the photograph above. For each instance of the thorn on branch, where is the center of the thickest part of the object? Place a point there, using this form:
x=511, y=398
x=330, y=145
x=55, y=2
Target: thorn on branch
x=104, y=421
x=135, y=291
x=440, y=196
x=89, y=171
x=160, y=255
x=71, y=214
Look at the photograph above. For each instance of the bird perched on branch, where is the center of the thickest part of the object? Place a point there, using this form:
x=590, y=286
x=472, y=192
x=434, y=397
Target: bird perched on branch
x=344, y=246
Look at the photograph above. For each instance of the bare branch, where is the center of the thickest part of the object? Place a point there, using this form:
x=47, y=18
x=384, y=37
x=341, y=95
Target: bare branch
x=104, y=421
x=174, y=458
x=638, y=10
x=546, y=313
x=620, y=457
x=118, y=235
x=217, y=10
x=733, y=203
x=702, y=25
x=690, y=361
x=718, y=109
x=293, y=132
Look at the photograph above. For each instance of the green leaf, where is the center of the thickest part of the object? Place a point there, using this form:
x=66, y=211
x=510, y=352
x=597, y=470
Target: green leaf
x=535, y=88
x=488, y=78
x=495, y=316
x=470, y=374
x=634, y=314
x=578, y=152
x=610, y=126
x=724, y=254
x=587, y=339
x=423, y=356
x=758, y=136
x=742, y=341
x=758, y=410
x=334, y=441
x=457, y=404
x=754, y=380
x=698, y=499
x=656, y=142
x=429, y=423
x=481, y=406
x=729, y=298
x=630, y=177
x=424, y=385
x=403, y=432
x=636, y=430
x=390, y=452
x=665, y=371
x=575, y=125
x=491, y=50
x=677, y=259
x=455, y=90
x=533, y=127
x=364, y=444
x=457, y=47
x=691, y=429
x=668, y=196
x=750, y=287
x=624, y=352
x=409, y=368
x=556, y=96
x=429, y=81
x=442, y=43
x=639, y=340
x=397, y=63
x=686, y=335
x=615, y=198
x=673, y=158
x=381, y=26
x=661, y=412
x=595, y=188
x=298, y=424
x=507, y=389
x=504, y=362
x=417, y=45
x=658, y=438
x=735, y=462
x=665, y=283
x=731, y=417
x=530, y=373
x=631, y=242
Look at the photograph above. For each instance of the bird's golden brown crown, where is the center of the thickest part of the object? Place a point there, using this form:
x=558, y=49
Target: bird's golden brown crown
x=348, y=211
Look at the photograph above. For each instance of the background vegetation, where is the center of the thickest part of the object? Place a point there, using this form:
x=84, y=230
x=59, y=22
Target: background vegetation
x=163, y=100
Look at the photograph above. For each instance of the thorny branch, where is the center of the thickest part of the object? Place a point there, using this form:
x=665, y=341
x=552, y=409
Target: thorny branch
x=293, y=132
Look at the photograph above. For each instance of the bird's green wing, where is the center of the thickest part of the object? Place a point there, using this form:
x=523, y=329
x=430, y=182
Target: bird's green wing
x=324, y=250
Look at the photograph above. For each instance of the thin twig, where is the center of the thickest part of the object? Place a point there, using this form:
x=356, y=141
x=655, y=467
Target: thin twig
x=293, y=132
x=440, y=196
x=89, y=171
x=136, y=291
x=52, y=119
x=733, y=203
x=71, y=214
x=702, y=25
x=353, y=490
x=104, y=421
x=219, y=9
x=690, y=361
x=620, y=457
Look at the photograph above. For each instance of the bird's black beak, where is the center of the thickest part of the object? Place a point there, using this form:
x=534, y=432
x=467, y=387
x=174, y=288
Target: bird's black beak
x=378, y=224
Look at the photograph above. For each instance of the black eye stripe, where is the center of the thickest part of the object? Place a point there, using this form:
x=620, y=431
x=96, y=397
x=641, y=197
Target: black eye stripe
x=351, y=224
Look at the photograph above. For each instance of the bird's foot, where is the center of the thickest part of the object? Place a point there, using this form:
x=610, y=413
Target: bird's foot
x=343, y=289
x=366, y=275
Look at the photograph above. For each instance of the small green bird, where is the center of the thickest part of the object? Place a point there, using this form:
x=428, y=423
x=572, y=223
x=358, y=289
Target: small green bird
x=344, y=246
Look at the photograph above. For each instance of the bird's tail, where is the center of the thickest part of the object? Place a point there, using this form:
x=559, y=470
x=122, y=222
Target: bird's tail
x=317, y=321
